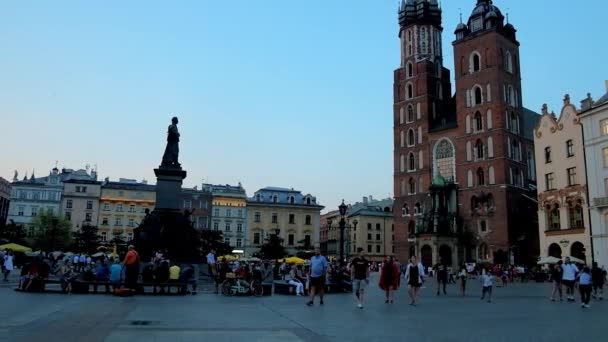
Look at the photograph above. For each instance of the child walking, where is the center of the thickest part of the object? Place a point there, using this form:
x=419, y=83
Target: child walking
x=487, y=280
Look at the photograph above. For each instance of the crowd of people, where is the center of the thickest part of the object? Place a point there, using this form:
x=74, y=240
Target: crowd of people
x=590, y=282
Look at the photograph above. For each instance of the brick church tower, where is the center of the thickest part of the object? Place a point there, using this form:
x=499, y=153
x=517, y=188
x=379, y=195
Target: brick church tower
x=462, y=164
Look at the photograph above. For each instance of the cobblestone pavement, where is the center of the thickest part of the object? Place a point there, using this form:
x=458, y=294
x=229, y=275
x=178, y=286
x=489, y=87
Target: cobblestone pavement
x=519, y=312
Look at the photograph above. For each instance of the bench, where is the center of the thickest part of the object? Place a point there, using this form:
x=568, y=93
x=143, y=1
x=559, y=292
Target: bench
x=284, y=288
x=84, y=287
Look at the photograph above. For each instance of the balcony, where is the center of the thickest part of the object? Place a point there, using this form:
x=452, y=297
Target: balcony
x=600, y=201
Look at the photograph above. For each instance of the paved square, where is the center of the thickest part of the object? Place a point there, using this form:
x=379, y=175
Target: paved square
x=520, y=312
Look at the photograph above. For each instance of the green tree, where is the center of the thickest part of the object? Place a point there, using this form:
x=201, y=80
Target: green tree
x=50, y=232
x=214, y=239
x=86, y=239
x=273, y=249
x=304, y=249
x=12, y=232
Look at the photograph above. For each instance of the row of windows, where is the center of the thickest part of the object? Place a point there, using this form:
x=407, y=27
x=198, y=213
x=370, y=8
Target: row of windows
x=88, y=217
x=258, y=237
x=411, y=187
x=34, y=210
x=228, y=226
x=550, y=179
x=105, y=221
x=120, y=208
x=217, y=212
x=38, y=195
x=412, y=162
x=405, y=210
x=569, y=151
x=188, y=204
x=574, y=211
x=290, y=199
x=508, y=62
x=275, y=218
x=411, y=137
x=70, y=203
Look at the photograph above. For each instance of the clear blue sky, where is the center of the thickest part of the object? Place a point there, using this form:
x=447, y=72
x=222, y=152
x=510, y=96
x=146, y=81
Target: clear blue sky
x=268, y=92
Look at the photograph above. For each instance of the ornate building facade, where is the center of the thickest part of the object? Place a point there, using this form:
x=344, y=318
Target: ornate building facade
x=594, y=117
x=30, y=196
x=295, y=216
x=463, y=163
x=229, y=212
x=563, y=213
x=80, y=198
x=122, y=207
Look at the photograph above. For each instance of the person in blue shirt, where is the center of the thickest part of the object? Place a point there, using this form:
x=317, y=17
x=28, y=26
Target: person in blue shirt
x=115, y=272
x=585, y=283
x=318, y=268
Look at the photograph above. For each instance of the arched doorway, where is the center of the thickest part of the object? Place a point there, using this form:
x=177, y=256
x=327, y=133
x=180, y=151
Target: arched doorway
x=426, y=255
x=577, y=250
x=445, y=254
x=555, y=251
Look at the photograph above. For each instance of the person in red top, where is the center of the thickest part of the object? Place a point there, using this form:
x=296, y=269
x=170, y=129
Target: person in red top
x=131, y=263
x=389, y=278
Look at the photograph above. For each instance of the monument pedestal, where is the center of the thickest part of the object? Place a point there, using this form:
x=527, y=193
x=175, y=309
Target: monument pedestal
x=168, y=188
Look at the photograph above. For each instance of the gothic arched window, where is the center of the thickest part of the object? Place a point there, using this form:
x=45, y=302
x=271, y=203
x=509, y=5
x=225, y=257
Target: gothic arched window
x=412, y=186
x=410, y=69
x=481, y=179
x=444, y=165
x=474, y=62
x=411, y=162
x=411, y=140
x=479, y=149
x=478, y=122
x=410, y=113
x=477, y=95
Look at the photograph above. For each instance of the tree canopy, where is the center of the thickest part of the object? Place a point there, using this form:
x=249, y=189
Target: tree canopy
x=214, y=239
x=273, y=249
x=50, y=232
x=86, y=240
x=12, y=232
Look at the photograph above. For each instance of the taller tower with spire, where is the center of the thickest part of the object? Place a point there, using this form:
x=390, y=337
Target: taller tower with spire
x=422, y=104
x=462, y=163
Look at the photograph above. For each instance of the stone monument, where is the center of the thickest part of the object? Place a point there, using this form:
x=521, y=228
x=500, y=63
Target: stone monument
x=168, y=228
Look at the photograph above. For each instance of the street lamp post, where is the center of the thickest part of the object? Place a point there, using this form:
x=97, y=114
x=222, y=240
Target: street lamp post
x=342, y=226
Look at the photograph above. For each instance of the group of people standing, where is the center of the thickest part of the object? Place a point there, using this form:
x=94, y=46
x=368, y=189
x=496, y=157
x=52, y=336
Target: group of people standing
x=590, y=280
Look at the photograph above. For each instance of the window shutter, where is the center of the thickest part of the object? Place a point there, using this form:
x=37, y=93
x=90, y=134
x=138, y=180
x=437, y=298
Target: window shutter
x=468, y=124
x=490, y=147
x=420, y=159
x=420, y=134
x=489, y=119
x=468, y=151
x=509, y=147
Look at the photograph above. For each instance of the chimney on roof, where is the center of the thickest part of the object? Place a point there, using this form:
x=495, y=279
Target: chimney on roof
x=371, y=199
x=364, y=199
x=587, y=103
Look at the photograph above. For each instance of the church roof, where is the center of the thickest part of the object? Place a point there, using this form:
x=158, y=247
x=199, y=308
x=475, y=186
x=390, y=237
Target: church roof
x=530, y=119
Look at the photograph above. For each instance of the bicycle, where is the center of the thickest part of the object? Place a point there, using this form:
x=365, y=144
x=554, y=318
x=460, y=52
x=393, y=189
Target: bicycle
x=233, y=286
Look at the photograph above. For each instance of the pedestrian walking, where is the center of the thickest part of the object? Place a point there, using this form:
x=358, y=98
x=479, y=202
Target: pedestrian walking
x=462, y=277
x=487, y=282
x=359, y=267
x=389, y=278
x=8, y=264
x=211, y=261
x=318, y=269
x=556, y=280
x=598, y=276
x=585, y=283
x=414, y=277
x=569, y=272
x=442, y=276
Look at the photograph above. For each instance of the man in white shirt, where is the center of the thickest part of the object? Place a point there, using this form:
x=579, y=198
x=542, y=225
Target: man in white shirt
x=211, y=262
x=568, y=278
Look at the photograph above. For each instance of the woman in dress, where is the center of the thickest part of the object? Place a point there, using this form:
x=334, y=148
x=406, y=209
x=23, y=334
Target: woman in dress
x=8, y=264
x=389, y=278
x=413, y=276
